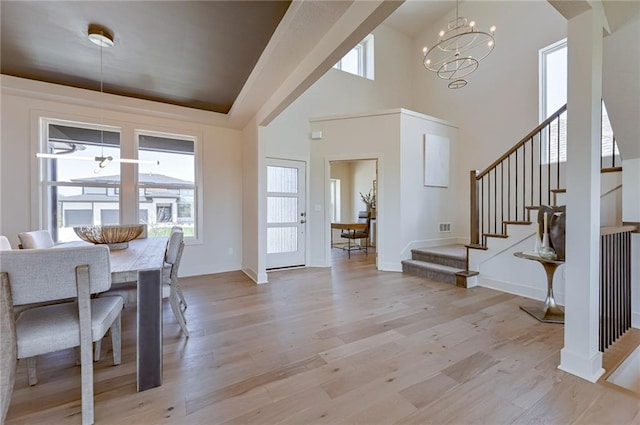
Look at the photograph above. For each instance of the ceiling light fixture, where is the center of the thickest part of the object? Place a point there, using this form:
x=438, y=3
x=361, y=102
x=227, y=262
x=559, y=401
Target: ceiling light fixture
x=101, y=37
x=458, y=51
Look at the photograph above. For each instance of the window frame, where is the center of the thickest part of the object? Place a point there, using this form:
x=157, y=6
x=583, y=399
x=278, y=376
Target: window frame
x=127, y=190
x=365, y=50
x=543, y=113
x=197, y=163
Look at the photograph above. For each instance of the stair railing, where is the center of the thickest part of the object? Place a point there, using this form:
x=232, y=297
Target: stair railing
x=528, y=175
x=502, y=192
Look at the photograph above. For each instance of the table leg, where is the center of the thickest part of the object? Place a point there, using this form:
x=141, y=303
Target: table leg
x=149, y=344
x=550, y=312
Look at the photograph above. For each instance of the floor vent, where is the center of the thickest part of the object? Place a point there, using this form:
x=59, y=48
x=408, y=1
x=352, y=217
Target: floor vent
x=444, y=227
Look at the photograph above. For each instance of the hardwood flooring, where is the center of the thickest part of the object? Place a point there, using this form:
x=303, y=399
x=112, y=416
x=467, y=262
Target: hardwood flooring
x=348, y=344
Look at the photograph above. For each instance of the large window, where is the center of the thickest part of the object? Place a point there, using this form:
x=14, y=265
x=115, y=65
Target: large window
x=553, y=94
x=169, y=188
x=79, y=189
x=359, y=60
x=78, y=192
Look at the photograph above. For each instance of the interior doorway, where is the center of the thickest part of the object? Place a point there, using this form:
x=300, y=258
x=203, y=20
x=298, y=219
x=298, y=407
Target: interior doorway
x=353, y=199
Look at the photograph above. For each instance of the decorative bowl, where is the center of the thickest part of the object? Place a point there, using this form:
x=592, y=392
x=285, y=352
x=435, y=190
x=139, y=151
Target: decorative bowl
x=116, y=236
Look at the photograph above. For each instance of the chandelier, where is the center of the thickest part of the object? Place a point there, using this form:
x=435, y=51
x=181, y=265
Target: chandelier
x=459, y=51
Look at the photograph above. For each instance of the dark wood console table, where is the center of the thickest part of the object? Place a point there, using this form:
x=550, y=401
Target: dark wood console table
x=549, y=312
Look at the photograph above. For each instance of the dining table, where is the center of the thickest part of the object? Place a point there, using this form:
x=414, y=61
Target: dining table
x=142, y=262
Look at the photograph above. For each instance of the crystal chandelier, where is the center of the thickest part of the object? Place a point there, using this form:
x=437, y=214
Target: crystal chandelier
x=459, y=51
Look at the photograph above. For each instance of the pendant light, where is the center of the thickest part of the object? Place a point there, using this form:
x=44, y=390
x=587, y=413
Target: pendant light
x=102, y=38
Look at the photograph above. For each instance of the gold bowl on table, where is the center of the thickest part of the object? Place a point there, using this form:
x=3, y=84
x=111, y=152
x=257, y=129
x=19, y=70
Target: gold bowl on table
x=115, y=236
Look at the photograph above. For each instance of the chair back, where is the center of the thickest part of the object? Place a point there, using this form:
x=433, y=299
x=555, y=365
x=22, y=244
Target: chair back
x=365, y=217
x=38, y=239
x=40, y=275
x=4, y=244
x=173, y=245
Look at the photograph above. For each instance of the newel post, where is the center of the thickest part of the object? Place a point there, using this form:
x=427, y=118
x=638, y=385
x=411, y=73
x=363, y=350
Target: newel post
x=474, y=204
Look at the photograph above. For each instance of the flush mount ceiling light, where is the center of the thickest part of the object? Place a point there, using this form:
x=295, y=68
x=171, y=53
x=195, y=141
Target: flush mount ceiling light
x=101, y=37
x=458, y=51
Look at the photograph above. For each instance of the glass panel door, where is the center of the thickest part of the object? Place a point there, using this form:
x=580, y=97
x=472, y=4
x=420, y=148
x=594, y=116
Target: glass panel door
x=286, y=215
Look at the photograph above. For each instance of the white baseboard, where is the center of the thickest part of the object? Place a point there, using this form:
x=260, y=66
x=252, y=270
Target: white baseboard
x=390, y=267
x=201, y=270
x=516, y=289
x=258, y=278
x=589, y=369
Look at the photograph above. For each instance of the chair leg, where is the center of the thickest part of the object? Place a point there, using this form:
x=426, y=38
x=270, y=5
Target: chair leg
x=31, y=370
x=116, y=340
x=177, y=312
x=97, y=350
x=183, y=302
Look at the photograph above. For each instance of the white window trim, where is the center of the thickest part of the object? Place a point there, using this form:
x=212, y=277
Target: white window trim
x=196, y=137
x=543, y=114
x=39, y=198
x=366, y=63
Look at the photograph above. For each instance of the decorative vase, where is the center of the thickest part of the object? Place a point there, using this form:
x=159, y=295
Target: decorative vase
x=546, y=251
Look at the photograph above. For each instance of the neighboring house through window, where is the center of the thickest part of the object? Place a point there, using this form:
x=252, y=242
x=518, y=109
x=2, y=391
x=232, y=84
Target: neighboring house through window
x=79, y=193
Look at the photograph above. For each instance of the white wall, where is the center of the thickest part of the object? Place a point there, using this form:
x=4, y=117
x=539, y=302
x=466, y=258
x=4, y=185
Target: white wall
x=364, y=173
x=621, y=85
x=423, y=207
x=499, y=106
x=338, y=92
x=221, y=164
x=356, y=137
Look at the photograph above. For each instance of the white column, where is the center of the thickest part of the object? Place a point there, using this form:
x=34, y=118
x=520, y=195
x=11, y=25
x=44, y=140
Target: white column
x=631, y=214
x=580, y=355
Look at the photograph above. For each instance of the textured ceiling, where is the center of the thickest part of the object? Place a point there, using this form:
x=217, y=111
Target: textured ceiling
x=197, y=54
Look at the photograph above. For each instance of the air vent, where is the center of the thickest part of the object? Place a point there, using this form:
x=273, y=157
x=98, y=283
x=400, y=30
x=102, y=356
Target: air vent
x=444, y=227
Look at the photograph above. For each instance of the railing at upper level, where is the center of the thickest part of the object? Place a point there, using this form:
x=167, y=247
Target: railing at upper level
x=528, y=175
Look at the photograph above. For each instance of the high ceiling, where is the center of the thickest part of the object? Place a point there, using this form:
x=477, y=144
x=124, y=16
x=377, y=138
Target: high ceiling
x=197, y=54
x=236, y=58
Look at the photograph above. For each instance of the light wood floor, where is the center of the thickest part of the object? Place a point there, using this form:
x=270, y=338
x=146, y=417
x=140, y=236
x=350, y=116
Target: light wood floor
x=348, y=344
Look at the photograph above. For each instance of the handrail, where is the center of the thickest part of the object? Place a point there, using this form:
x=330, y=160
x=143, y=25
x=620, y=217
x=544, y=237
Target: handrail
x=524, y=140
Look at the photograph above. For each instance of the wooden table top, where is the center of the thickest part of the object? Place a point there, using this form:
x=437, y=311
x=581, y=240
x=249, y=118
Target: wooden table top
x=142, y=254
x=535, y=257
x=349, y=226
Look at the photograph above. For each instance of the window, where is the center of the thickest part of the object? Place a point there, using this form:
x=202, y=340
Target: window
x=335, y=200
x=169, y=189
x=77, y=191
x=553, y=94
x=359, y=61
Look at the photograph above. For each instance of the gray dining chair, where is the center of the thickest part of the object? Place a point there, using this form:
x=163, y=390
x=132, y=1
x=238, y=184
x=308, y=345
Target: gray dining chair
x=170, y=284
x=37, y=239
x=8, y=357
x=43, y=275
x=4, y=244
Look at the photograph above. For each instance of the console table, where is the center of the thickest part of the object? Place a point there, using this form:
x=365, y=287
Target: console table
x=549, y=312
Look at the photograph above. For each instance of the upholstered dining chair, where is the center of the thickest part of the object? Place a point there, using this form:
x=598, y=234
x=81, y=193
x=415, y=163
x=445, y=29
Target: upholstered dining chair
x=363, y=217
x=42, y=275
x=38, y=239
x=4, y=244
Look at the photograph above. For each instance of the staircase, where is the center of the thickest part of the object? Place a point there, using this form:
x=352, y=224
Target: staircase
x=505, y=198
x=441, y=264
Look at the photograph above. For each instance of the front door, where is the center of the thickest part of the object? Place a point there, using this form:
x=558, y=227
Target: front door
x=286, y=213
